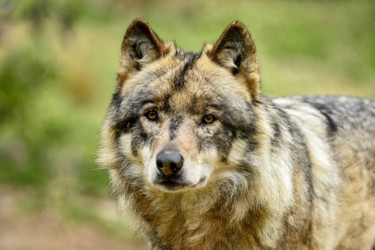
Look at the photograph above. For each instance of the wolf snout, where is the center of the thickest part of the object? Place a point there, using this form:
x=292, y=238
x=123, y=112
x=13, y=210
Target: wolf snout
x=169, y=162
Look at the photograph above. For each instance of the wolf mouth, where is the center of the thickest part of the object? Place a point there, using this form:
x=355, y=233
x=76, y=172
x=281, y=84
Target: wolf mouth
x=171, y=184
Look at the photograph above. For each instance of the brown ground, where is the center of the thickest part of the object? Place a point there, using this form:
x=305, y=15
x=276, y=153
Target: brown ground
x=47, y=230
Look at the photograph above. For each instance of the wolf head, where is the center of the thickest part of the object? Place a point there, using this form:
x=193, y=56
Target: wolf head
x=180, y=120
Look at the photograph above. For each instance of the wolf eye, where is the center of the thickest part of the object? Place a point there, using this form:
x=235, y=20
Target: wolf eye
x=152, y=115
x=207, y=119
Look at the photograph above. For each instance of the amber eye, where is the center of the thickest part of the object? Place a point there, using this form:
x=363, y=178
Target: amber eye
x=208, y=119
x=152, y=115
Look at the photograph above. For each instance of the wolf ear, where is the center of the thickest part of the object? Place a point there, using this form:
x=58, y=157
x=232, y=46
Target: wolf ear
x=235, y=51
x=140, y=45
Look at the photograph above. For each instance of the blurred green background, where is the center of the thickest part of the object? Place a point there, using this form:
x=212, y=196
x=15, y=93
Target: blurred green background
x=58, y=63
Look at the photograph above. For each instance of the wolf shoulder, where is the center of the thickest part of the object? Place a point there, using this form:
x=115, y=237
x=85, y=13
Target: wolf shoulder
x=344, y=126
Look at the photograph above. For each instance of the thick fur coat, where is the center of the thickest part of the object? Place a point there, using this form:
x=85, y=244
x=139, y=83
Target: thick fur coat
x=202, y=160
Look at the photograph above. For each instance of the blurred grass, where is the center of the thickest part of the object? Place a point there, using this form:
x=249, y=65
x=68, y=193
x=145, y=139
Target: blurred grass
x=58, y=63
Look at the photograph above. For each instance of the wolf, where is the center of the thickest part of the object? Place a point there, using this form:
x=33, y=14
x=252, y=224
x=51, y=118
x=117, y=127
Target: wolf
x=200, y=159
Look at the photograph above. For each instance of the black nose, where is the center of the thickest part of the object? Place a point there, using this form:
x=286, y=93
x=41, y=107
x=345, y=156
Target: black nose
x=169, y=162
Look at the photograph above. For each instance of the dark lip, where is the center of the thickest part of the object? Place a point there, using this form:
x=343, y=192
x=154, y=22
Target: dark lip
x=171, y=185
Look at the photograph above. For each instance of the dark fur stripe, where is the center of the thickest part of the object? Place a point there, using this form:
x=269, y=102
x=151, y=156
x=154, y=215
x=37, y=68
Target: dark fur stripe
x=331, y=125
x=173, y=126
x=190, y=58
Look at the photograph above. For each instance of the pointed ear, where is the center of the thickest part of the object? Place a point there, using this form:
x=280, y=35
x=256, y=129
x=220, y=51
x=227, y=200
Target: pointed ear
x=235, y=51
x=140, y=46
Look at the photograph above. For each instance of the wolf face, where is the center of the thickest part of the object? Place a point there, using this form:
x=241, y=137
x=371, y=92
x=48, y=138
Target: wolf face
x=176, y=115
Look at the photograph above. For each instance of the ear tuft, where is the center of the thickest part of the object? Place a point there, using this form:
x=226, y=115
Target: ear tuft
x=235, y=51
x=234, y=48
x=140, y=45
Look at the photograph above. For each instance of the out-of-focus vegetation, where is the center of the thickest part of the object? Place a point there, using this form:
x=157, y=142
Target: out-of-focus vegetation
x=58, y=63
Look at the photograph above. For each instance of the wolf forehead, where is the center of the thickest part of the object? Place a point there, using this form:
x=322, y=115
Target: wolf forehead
x=182, y=83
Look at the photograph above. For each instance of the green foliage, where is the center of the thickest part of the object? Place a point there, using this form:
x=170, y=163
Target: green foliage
x=23, y=74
